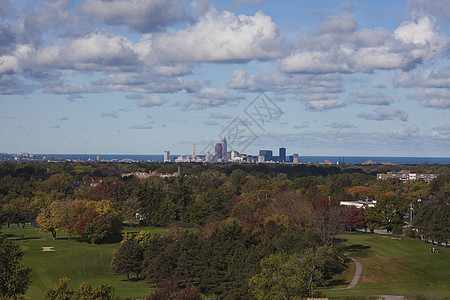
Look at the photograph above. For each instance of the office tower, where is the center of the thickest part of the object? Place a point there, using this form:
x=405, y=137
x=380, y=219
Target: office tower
x=209, y=156
x=193, y=152
x=166, y=156
x=218, y=152
x=282, y=154
x=268, y=154
x=295, y=158
x=224, y=149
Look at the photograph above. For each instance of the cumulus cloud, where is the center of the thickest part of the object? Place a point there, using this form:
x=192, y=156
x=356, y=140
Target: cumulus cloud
x=140, y=15
x=432, y=86
x=155, y=100
x=338, y=47
x=370, y=98
x=434, y=98
x=405, y=132
x=96, y=51
x=433, y=7
x=441, y=132
x=223, y=37
x=67, y=88
x=212, y=97
x=146, y=83
x=285, y=83
x=10, y=85
x=321, y=105
x=384, y=113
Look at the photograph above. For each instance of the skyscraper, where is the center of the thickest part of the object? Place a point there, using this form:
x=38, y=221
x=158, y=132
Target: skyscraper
x=295, y=158
x=166, y=156
x=268, y=154
x=218, y=152
x=193, y=152
x=282, y=154
x=224, y=149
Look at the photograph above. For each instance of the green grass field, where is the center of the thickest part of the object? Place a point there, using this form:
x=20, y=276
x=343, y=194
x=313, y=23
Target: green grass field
x=397, y=266
x=390, y=265
x=73, y=259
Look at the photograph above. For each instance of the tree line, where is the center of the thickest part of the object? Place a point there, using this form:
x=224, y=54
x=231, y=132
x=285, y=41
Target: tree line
x=238, y=223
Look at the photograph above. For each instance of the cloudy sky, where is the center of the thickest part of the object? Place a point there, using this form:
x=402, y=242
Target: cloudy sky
x=143, y=76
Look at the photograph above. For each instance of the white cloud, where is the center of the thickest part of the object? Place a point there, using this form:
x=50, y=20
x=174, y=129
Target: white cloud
x=435, y=98
x=285, y=83
x=211, y=97
x=384, y=113
x=223, y=37
x=146, y=83
x=370, y=98
x=338, y=47
x=405, y=132
x=140, y=15
x=67, y=88
x=321, y=105
x=96, y=51
x=155, y=100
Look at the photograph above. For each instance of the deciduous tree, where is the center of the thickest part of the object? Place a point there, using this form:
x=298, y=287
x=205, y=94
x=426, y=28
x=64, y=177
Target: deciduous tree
x=15, y=277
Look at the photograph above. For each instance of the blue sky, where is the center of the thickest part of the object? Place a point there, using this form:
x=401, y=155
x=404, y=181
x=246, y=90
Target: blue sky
x=368, y=78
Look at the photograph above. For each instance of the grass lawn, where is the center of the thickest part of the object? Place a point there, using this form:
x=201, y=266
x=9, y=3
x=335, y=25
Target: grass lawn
x=76, y=260
x=396, y=266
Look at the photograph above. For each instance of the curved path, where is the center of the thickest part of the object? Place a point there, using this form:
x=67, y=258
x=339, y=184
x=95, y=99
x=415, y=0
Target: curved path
x=356, y=277
x=358, y=273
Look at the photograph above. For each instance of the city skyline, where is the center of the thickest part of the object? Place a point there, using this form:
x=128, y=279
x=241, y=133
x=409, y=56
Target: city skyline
x=344, y=78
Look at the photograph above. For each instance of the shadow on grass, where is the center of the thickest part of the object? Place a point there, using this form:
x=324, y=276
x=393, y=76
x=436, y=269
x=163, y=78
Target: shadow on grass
x=356, y=249
x=133, y=279
x=335, y=282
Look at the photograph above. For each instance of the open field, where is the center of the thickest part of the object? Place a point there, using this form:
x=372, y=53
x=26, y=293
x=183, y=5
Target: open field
x=397, y=266
x=390, y=265
x=76, y=260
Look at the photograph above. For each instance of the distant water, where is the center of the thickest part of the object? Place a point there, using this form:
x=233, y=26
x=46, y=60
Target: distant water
x=302, y=159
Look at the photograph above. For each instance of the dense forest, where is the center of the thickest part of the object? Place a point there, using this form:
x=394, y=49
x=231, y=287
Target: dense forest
x=236, y=231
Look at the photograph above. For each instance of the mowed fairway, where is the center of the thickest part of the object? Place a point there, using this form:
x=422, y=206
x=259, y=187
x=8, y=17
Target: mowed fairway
x=397, y=266
x=76, y=260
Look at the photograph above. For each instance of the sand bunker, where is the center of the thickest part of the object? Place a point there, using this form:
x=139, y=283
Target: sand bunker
x=47, y=249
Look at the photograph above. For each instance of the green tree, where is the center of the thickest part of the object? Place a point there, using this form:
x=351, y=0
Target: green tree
x=84, y=291
x=15, y=277
x=128, y=258
x=285, y=276
x=388, y=213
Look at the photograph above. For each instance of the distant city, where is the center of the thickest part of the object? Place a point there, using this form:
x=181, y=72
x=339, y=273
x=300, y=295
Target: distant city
x=223, y=155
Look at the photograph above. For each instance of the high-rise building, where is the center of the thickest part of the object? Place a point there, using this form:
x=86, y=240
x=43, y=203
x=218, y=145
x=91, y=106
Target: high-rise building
x=218, y=152
x=166, y=156
x=193, y=152
x=209, y=156
x=295, y=158
x=268, y=154
x=224, y=149
x=282, y=154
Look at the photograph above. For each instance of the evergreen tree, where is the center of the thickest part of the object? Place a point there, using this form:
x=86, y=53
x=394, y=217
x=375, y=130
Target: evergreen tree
x=128, y=258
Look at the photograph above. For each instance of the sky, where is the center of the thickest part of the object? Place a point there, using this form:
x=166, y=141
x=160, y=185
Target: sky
x=324, y=77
